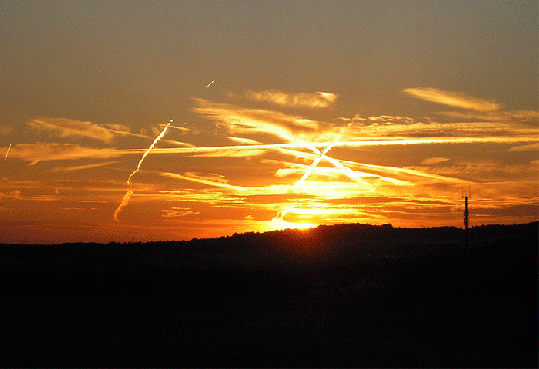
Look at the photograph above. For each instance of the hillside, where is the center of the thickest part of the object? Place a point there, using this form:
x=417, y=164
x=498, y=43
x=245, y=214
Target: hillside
x=342, y=295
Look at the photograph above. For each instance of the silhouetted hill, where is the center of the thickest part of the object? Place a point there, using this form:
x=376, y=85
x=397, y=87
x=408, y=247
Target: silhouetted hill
x=464, y=305
x=347, y=253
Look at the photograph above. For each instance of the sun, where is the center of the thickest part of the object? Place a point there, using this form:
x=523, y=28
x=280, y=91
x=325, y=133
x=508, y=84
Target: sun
x=278, y=224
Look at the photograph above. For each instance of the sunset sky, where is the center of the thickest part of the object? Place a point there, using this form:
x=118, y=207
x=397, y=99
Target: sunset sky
x=321, y=112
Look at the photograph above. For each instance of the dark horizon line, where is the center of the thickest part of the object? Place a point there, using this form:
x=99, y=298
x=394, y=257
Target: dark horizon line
x=386, y=226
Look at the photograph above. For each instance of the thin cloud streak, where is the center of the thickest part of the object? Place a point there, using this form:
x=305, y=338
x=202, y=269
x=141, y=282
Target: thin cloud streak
x=105, y=133
x=359, y=143
x=523, y=117
x=70, y=127
x=304, y=100
x=434, y=160
x=83, y=167
x=454, y=99
x=257, y=121
x=42, y=152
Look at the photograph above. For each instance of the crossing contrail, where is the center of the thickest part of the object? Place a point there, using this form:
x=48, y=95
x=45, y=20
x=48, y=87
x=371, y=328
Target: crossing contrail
x=7, y=152
x=316, y=161
x=321, y=155
x=209, y=84
x=128, y=194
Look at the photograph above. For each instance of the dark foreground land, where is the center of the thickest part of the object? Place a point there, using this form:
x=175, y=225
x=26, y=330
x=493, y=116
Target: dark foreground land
x=335, y=296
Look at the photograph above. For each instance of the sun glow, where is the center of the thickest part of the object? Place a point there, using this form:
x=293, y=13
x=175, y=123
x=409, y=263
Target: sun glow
x=278, y=223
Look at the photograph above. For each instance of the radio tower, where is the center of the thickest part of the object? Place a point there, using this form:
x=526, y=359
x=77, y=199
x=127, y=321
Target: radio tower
x=466, y=214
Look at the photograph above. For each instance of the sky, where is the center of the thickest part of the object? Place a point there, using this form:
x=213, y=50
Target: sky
x=172, y=120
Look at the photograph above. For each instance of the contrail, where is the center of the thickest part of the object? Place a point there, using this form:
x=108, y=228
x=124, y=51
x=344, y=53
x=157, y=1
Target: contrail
x=209, y=84
x=7, y=152
x=128, y=194
x=321, y=155
x=316, y=161
x=125, y=201
x=148, y=151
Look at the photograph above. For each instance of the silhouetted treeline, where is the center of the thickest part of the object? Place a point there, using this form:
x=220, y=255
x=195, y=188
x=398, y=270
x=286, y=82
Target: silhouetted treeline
x=348, y=295
x=339, y=259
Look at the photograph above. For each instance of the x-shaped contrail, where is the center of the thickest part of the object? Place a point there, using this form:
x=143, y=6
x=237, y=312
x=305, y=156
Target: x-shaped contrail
x=321, y=155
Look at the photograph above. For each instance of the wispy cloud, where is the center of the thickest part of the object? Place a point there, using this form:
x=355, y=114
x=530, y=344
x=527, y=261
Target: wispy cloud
x=176, y=212
x=434, y=160
x=258, y=121
x=83, y=167
x=40, y=152
x=480, y=170
x=64, y=127
x=231, y=153
x=387, y=120
x=200, y=196
x=69, y=127
x=307, y=100
x=455, y=99
x=246, y=141
x=522, y=117
x=532, y=147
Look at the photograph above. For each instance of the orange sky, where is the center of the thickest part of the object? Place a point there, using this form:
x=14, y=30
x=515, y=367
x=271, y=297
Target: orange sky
x=300, y=136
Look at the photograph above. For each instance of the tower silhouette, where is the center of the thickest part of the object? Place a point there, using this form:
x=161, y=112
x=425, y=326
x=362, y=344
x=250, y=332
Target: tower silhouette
x=466, y=214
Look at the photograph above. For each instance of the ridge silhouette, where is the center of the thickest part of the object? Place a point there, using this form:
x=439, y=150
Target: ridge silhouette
x=342, y=295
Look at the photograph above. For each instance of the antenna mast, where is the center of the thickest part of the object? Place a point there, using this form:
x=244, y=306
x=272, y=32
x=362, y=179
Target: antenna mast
x=466, y=213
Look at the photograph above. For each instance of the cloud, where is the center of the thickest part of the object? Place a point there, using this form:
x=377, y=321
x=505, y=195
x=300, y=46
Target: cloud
x=434, y=160
x=176, y=212
x=182, y=129
x=417, y=134
x=211, y=197
x=410, y=171
x=338, y=190
x=306, y=100
x=532, y=147
x=335, y=189
x=522, y=117
x=339, y=187
x=483, y=169
x=40, y=152
x=387, y=120
x=16, y=194
x=82, y=167
x=230, y=153
x=246, y=141
x=68, y=127
x=104, y=133
x=455, y=99
x=212, y=177
x=258, y=121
